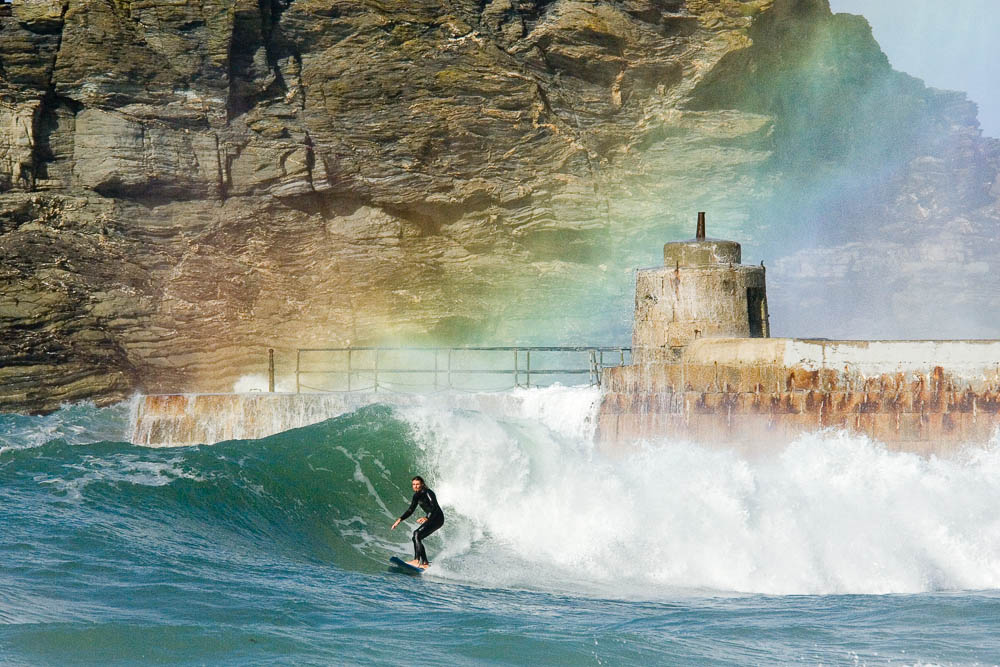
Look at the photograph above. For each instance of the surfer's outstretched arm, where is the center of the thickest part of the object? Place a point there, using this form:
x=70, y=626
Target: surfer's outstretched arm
x=405, y=515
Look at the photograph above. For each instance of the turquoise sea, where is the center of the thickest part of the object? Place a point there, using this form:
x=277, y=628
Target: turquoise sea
x=274, y=551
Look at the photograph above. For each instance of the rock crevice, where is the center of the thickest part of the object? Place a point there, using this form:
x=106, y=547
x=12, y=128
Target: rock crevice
x=186, y=184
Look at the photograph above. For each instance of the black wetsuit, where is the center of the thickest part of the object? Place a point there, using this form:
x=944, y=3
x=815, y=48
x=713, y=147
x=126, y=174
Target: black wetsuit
x=435, y=519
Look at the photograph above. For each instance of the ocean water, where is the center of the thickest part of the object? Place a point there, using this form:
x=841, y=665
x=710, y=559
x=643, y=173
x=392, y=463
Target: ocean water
x=831, y=550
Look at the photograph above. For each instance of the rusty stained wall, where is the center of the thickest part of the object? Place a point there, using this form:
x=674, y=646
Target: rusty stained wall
x=181, y=419
x=172, y=420
x=755, y=406
x=190, y=419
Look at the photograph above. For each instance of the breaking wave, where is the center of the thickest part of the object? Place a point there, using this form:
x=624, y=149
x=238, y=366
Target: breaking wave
x=532, y=504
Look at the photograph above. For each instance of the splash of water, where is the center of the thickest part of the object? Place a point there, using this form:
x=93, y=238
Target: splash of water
x=830, y=513
x=532, y=504
x=75, y=424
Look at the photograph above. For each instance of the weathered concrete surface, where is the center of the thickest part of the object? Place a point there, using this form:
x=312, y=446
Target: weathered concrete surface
x=918, y=396
x=190, y=419
x=701, y=292
x=968, y=361
x=674, y=307
x=704, y=252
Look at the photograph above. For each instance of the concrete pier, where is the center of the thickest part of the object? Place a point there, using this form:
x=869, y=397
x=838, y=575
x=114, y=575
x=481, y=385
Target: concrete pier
x=701, y=291
x=172, y=420
x=927, y=397
x=705, y=370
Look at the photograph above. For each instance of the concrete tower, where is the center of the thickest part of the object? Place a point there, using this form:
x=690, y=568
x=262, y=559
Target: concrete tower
x=701, y=291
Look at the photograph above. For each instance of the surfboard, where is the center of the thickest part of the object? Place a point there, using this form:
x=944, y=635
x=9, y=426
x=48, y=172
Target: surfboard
x=406, y=567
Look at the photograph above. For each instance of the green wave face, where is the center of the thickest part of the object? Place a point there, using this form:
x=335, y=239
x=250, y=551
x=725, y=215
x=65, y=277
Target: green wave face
x=323, y=493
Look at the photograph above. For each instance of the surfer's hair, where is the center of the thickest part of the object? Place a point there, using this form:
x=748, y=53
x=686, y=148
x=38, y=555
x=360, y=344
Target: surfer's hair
x=420, y=479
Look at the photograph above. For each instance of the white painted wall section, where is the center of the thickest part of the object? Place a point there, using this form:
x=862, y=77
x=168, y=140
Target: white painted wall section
x=971, y=359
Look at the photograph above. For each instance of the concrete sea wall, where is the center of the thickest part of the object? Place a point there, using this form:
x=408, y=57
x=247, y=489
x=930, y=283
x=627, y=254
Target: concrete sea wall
x=171, y=420
x=919, y=396
x=671, y=309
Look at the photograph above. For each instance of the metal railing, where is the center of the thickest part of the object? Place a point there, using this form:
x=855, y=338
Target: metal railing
x=449, y=368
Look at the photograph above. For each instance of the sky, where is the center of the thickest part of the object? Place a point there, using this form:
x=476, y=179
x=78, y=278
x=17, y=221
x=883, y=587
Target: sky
x=952, y=44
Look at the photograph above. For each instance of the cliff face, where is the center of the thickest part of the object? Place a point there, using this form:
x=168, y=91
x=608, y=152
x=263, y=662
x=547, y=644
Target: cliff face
x=894, y=189
x=185, y=184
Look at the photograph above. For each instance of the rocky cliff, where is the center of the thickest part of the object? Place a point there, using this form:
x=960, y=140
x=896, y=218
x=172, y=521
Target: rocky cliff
x=185, y=183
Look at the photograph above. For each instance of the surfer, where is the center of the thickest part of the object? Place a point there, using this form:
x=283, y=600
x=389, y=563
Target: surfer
x=428, y=524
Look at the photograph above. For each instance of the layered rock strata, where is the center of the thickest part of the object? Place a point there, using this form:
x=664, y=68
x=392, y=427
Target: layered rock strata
x=186, y=184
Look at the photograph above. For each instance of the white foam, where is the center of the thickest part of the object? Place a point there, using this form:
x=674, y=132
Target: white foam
x=259, y=383
x=530, y=503
x=127, y=468
x=75, y=424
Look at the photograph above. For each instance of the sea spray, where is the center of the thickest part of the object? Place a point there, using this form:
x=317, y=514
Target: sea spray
x=532, y=504
x=76, y=423
x=275, y=549
x=537, y=507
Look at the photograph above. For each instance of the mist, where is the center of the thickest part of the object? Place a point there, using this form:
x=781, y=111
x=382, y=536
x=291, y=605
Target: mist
x=949, y=45
x=884, y=218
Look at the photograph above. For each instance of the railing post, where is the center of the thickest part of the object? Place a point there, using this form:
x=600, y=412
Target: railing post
x=270, y=370
x=595, y=367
